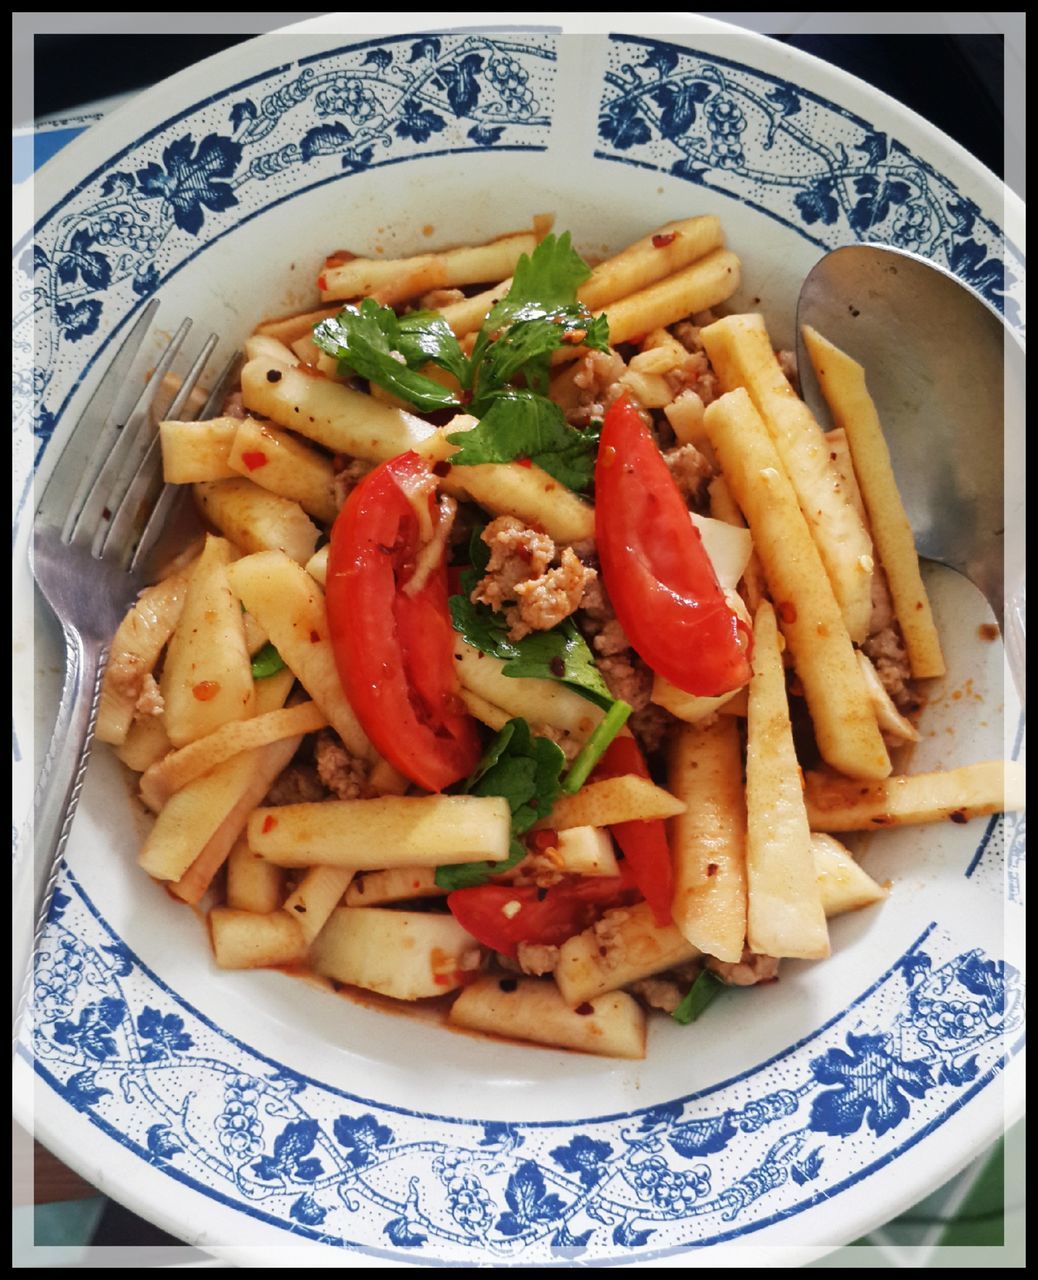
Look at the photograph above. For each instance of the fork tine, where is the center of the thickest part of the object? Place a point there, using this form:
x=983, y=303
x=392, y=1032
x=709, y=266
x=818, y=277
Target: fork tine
x=220, y=389
x=86, y=448
x=116, y=469
x=191, y=378
x=172, y=494
x=127, y=508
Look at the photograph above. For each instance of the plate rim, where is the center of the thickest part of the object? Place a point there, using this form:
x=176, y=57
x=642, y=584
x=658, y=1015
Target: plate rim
x=97, y=136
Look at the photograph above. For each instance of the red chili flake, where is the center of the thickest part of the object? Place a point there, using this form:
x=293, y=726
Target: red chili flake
x=584, y=1009
x=441, y=469
x=557, y=667
x=787, y=611
x=524, y=462
x=322, y=281
x=575, y=337
x=254, y=458
x=339, y=258
x=314, y=637
x=711, y=868
x=269, y=823
x=546, y=839
x=958, y=816
x=661, y=241
x=205, y=690
x=441, y=979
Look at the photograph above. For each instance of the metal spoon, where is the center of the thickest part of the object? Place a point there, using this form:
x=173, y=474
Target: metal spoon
x=946, y=374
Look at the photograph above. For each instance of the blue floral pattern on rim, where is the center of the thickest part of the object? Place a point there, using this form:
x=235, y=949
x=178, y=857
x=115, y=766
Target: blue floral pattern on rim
x=123, y=231
x=816, y=167
x=156, y=1075
x=153, y=1072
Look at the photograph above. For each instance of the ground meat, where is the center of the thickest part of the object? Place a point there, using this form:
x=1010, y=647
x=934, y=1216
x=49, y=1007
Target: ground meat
x=597, y=383
x=611, y=640
x=608, y=936
x=595, y=607
x=342, y=773
x=658, y=993
x=600, y=624
x=889, y=657
x=692, y=472
x=516, y=553
x=694, y=373
x=627, y=678
x=299, y=784
x=125, y=675
x=537, y=958
x=650, y=725
x=233, y=406
x=519, y=582
x=440, y=298
x=544, y=602
x=348, y=474
x=750, y=970
x=150, y=701
x=687, y=334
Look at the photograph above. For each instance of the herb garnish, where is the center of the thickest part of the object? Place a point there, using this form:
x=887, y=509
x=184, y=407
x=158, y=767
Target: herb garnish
x=705, y=988
x=539, y=314
x=525, y=770
x=266, y=662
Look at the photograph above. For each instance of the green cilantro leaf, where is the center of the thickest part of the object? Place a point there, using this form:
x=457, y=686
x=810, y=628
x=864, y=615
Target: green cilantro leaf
x=536, y=317
x=526, y=346
x=266, y=662
x=521, y=424
x=532, y=320
x=705, y=988
x=549, y=277
x=525, y=770
x=467, y=875
x=426, y=336
x=373, y=343
x=481, y=627
x=561, y=654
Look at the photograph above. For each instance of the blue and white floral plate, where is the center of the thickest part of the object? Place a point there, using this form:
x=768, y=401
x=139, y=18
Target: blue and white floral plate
x=255, y=1113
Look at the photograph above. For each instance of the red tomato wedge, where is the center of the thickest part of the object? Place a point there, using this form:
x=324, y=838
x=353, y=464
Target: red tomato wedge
x=394, y=648
x=548, y=916
x=645, y=846
x=655, y=569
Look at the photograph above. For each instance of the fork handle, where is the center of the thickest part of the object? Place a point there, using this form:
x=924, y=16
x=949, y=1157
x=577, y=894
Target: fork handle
x=57, y=795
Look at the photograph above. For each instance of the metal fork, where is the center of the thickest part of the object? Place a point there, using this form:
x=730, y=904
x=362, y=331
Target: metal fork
x=88, y=558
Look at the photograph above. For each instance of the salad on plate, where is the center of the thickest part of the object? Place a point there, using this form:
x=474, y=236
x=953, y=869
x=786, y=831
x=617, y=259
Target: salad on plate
x=535, y=645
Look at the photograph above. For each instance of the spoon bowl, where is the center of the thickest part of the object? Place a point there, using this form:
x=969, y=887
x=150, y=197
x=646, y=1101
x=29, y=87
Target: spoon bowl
x=946, y=373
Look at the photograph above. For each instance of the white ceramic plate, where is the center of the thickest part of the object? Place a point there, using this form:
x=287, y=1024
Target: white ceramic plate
x=251, y=1111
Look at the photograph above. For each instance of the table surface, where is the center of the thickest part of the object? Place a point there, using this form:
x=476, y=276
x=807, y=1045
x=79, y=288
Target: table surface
x=958, y=85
